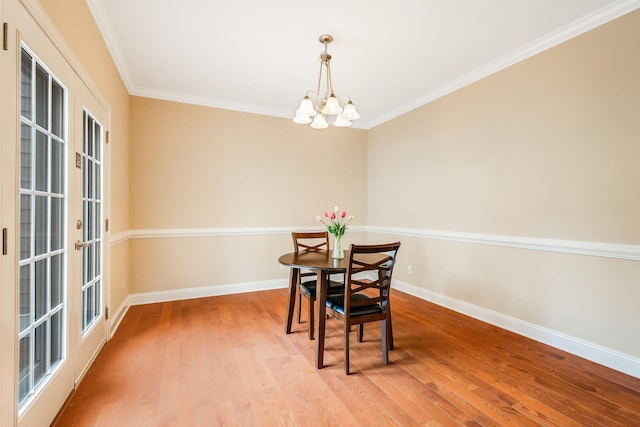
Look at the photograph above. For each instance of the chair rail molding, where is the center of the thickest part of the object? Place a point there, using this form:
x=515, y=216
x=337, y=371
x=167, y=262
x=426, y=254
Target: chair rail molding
x=167, y=233
x=577, y=247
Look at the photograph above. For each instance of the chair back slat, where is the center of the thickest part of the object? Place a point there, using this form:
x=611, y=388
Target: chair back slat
x=310, y=241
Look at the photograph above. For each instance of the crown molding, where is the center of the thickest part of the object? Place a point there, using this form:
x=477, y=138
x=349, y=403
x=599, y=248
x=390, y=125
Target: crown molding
x=100, y=17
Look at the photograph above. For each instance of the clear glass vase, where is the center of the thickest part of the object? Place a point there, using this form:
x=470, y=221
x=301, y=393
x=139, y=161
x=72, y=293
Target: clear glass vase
x=338, y=253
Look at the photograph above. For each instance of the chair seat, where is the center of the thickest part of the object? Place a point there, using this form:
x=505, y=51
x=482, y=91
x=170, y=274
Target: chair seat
x=309, y=288
x=337, y=303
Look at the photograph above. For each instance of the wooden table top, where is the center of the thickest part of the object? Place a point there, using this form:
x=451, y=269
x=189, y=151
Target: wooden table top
x=316, y=260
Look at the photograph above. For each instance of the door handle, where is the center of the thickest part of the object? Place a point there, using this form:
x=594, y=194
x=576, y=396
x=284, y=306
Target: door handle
x=80, y=245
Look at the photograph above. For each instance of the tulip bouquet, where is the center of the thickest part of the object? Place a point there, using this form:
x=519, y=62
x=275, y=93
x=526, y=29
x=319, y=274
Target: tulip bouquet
x=336, y=226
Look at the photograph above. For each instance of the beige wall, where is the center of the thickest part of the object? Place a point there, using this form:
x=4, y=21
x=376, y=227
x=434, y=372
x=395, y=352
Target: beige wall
x=75, y=22
x=203, y=168
x=548, y=148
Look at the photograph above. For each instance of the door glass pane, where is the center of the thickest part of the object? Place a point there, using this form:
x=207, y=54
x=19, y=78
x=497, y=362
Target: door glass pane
x=42, y=161
x=98, y=180
x=42, y=97
x=90, y=223
x=57, y=109
x=57, y=215
x=56, y=281
x=97, y=132
x=57, y=167
x=41, y=289
x=24, y=368
x=56, y=338
x=26, y=153
x=41, y=220
x=85, y=220
x=25, y=226
x=25, y=296
x=26, y=77
x=88, y=256
x=40, y=353
x=89, y=172
x=98, y=258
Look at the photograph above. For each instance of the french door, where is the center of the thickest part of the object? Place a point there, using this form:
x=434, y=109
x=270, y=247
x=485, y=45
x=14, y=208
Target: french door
x=52, y=209
x=87, y=203
x=42, y=205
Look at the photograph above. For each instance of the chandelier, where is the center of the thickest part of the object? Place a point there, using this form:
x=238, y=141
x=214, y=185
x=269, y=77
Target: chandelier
x=320, y=111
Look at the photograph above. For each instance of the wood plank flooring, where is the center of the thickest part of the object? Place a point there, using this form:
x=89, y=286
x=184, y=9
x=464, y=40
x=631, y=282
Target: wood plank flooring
x=227, y=361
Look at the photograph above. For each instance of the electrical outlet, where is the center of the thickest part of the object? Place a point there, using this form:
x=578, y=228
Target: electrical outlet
x=409, y=269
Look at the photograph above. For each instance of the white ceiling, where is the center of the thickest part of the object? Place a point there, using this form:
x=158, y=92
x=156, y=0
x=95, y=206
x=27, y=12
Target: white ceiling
x=389, y=57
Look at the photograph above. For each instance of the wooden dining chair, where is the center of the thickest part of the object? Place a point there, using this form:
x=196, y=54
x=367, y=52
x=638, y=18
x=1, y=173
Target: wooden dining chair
x=307, y=280
x=366, y=295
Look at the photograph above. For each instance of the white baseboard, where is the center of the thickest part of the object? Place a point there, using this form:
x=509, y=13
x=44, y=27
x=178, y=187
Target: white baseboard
x=613, y=359
x=117, y=316
x=84, y=371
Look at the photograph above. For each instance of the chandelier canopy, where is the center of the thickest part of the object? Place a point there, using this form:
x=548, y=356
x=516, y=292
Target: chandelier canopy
x=322, y=110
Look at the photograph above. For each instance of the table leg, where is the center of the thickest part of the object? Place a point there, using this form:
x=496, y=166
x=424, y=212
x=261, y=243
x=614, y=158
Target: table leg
x=293, y=287
x=321, y=316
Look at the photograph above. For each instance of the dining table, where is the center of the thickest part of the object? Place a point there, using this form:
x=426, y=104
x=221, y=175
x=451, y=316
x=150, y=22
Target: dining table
x=320, y=261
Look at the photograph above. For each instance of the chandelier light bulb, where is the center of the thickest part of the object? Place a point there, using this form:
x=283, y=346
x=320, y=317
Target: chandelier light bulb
x=301, y=119
x=342, y=121
x=319, y=122
x=350, y=111
x=332, y=105
x=306, y=107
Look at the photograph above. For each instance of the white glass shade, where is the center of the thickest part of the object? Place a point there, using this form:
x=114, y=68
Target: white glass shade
x=319, y=122
x=342, y=121
x=306, y=107
x=332, y=106
x=301, y=119
x=350, y=112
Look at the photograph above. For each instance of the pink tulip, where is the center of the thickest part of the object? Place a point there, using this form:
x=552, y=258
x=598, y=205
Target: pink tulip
x=343, y=214
x=333, y=215
x=336, y=209
x=326, y=214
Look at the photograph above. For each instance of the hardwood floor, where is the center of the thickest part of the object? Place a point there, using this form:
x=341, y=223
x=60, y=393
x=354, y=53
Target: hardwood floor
x=227, y=361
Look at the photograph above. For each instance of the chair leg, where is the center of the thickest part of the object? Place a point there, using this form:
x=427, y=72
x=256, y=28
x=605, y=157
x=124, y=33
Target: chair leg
x=390, y=327
x=312, y=323
x=385, y=343
x=299, y=306
x=347, y=328
x=361, y=332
